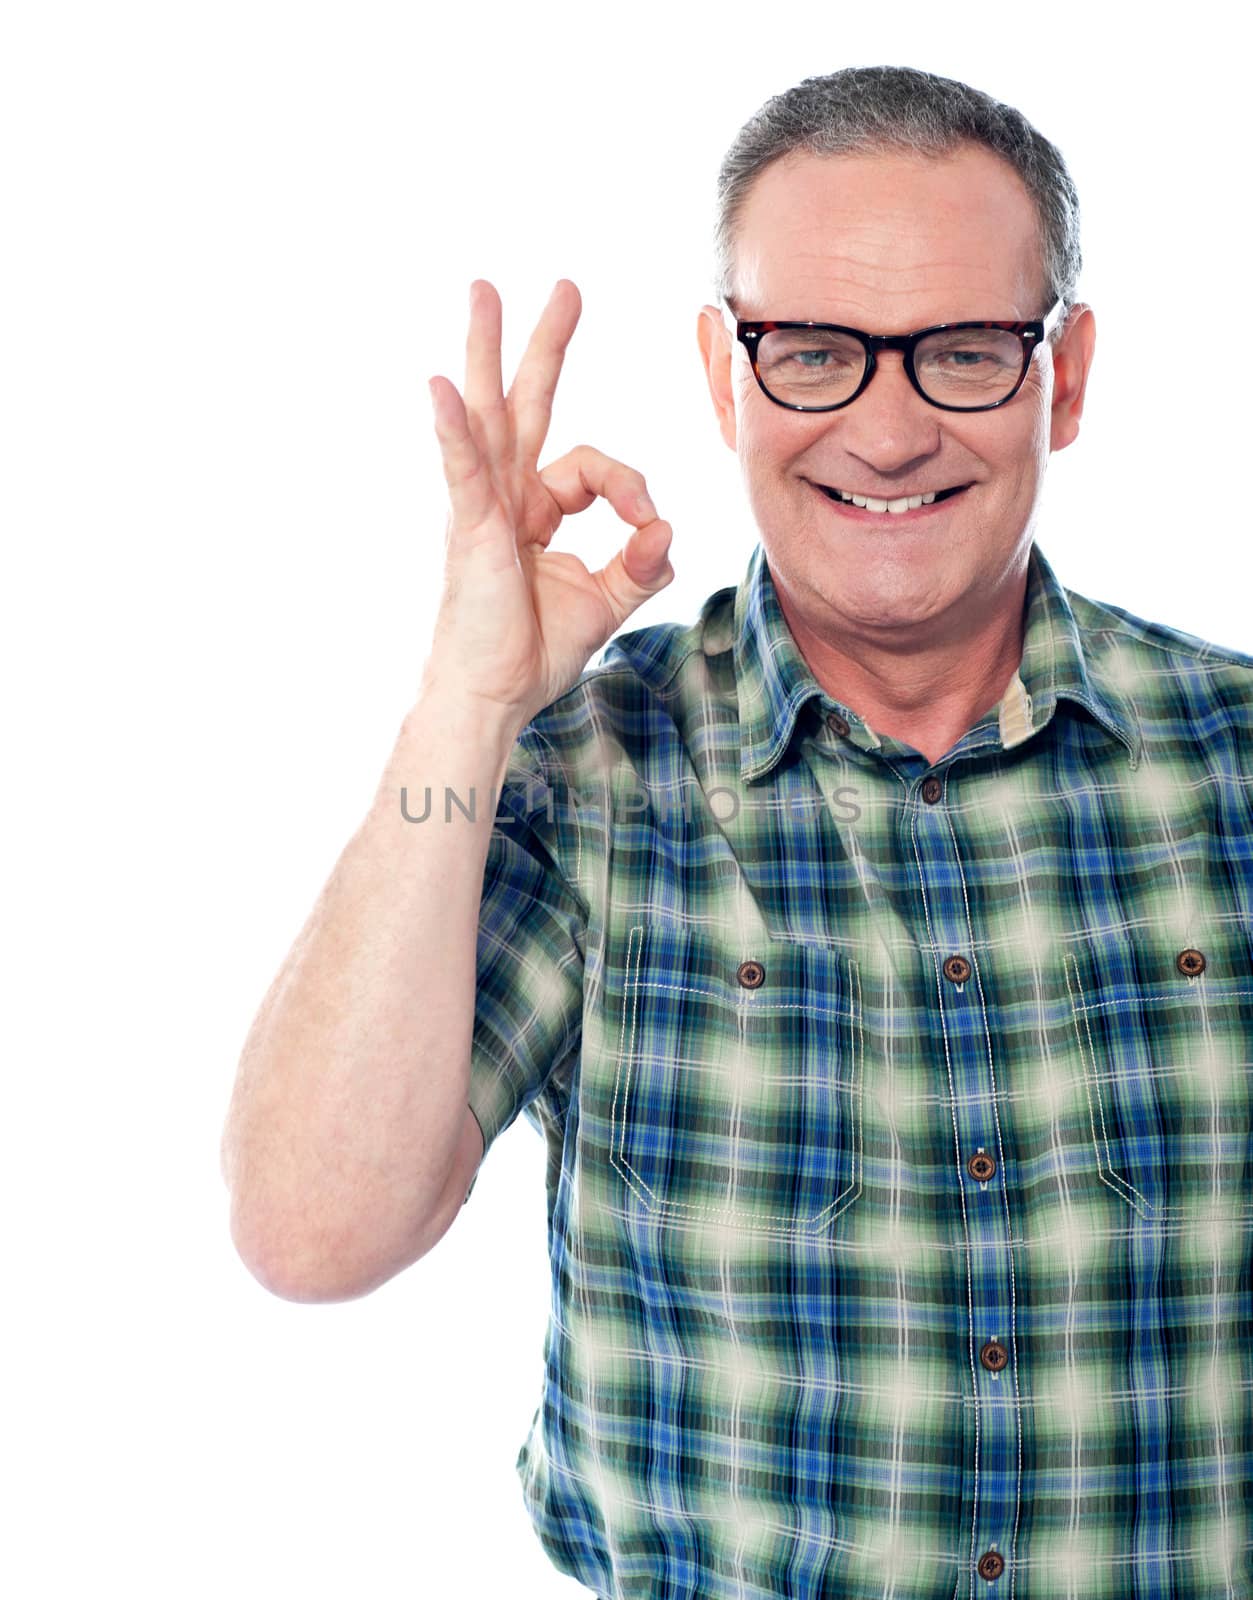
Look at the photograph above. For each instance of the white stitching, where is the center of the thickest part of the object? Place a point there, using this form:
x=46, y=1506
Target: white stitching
x=1087, y=1059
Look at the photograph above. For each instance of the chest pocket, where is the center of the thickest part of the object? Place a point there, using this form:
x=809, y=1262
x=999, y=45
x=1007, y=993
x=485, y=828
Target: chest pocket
x=1167, y=1064
x=737, y=1091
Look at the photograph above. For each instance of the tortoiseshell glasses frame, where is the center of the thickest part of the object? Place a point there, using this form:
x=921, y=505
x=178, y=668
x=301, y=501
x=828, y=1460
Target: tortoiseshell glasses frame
x=1031, y=335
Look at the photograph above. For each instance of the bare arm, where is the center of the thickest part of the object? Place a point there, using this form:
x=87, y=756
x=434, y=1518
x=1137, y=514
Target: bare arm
x=347, y=1137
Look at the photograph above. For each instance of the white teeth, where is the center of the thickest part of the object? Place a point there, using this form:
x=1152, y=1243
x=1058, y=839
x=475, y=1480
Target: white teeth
x=893, y=507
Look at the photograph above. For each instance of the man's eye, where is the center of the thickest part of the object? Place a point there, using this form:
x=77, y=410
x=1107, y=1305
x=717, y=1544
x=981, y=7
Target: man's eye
x=800, y=355
x=967, y=358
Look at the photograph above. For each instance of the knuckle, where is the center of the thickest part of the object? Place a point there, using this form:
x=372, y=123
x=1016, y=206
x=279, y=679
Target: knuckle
x=627, y=481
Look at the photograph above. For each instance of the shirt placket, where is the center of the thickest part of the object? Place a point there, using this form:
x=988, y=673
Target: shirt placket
x=966, y=1059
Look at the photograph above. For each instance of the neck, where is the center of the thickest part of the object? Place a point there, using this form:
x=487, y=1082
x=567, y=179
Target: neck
x=928, y=688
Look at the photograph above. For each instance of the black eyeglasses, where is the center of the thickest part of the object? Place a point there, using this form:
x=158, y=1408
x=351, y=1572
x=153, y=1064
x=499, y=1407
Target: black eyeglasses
x=957, y=366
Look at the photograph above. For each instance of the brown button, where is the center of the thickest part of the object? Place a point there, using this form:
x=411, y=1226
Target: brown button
x=836, y=723
x=1190, y=962
x=957, y=969
x=981, y=1166
x=991, y=1564
x=994, y=1355
x=751, y=974
x=932, y=789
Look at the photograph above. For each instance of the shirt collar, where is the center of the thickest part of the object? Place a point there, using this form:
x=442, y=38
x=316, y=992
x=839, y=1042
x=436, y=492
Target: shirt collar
x=773, y=681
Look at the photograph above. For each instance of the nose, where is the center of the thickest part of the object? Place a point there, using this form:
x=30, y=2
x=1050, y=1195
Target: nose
x=889, y=425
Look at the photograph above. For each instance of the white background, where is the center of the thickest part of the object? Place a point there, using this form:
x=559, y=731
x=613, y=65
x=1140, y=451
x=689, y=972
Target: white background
x=240, y=238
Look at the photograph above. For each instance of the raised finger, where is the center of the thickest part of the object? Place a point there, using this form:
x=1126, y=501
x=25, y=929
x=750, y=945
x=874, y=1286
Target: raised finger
x=531, y=392
x=484, y=397
x=471, y=493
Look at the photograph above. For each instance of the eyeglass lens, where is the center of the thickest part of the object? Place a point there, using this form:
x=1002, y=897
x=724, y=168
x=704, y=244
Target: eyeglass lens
x=957, y=367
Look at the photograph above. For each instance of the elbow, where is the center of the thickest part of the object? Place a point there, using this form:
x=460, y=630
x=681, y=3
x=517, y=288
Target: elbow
x=312, y=1273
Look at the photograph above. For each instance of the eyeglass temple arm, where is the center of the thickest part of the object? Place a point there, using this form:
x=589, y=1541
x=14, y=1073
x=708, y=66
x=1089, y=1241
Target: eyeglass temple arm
x=1054, y=315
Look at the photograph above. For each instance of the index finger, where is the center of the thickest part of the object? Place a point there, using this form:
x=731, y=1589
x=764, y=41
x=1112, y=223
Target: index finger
x=535, y=383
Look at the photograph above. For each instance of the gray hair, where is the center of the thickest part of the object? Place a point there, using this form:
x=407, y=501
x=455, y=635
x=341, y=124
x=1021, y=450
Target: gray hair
x=872, y=110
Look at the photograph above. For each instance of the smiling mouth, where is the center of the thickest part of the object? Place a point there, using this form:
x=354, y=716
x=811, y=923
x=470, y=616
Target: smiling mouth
x=895, y=505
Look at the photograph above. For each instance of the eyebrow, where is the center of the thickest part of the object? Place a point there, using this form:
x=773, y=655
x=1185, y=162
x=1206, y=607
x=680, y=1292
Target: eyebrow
x=826, y=321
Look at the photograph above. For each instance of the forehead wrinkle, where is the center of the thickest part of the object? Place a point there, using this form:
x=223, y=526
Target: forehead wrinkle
x=808, y=285
x=918, y=302
x=876, y=238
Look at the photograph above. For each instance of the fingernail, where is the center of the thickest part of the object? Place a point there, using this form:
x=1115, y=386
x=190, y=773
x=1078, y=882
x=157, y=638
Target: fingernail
x=646, y=508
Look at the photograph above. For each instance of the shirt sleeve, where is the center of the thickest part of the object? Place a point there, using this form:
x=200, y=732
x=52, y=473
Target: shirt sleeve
x=528, y=1015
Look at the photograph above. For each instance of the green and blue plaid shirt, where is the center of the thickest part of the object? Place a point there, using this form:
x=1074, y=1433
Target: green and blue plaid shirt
x=898, y=1116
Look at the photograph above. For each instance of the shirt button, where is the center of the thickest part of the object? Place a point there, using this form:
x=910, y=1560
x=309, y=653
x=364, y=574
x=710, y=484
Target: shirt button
x=991, y=1564
x=931, y=790
x=957, y=969
x=836, y=723
x=751, y=974
x=981, y=1166
x=1190, y=962
x=994, y=1356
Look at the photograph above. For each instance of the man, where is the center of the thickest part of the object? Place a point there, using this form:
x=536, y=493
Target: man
x=874, y=953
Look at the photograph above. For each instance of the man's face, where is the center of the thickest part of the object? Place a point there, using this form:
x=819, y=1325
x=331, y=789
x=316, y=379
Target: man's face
x=892, y=243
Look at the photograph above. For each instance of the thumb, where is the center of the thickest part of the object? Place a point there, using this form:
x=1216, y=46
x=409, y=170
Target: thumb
x=641, y=568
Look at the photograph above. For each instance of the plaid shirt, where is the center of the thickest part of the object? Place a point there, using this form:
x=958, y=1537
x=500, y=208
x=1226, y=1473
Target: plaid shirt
x=898, y=1117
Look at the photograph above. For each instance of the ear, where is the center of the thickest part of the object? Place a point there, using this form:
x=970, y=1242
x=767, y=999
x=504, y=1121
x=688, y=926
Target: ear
x=716, y=344
x=1072, y=357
